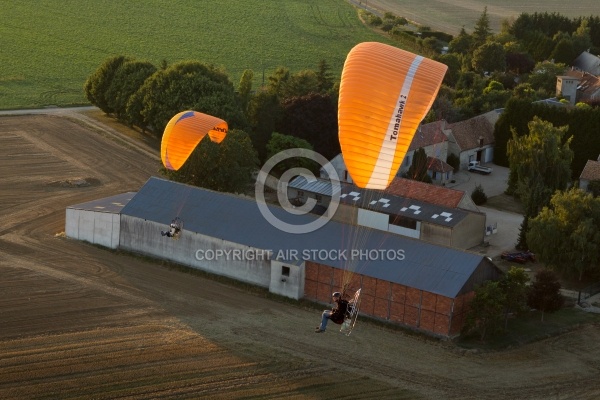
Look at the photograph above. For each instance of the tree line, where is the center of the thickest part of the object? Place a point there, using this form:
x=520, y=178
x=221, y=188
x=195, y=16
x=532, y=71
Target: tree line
x=485, y=71
x=495, y=302
x=302, y=105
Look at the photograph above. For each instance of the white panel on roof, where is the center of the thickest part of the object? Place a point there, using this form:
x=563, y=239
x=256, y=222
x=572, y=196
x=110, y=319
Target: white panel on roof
x=373, y=219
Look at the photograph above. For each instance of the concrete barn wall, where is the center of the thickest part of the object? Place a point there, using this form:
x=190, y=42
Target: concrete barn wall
x=437, y=234
x=92, y=226
x=387, y=301
x=287, y=279
x=469, y=232
x=197, y=251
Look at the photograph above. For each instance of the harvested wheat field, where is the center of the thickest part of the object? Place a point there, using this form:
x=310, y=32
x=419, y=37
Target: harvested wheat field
x=80, y=321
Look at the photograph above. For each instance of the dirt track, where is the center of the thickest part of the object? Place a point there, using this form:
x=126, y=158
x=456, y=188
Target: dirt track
x=78, y=321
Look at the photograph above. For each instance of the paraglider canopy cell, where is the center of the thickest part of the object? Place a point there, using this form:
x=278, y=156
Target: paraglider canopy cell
x=385, y=92
x=183, y=133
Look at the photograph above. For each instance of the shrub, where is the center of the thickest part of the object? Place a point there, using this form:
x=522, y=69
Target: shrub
x=453, y=161
x=479, y=197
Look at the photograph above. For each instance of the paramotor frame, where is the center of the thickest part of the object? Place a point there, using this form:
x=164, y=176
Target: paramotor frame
x=351, y=314
x=177, y=225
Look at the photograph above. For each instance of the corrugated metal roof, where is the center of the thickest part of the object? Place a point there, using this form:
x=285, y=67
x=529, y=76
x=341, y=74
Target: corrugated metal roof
x=113, y=204
x=318, y=186
x=436, y=269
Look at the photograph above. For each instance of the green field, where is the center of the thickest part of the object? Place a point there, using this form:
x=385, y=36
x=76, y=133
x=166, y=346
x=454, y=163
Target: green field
x=48, y=48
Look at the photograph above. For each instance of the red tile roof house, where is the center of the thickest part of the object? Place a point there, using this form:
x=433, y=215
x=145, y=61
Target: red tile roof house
x=577, y=86
x=432, y=194
x=473, y=139
x=582, y=81
x=591, y=172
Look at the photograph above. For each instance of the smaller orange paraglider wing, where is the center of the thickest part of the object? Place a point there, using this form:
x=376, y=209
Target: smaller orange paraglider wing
x=183, y=133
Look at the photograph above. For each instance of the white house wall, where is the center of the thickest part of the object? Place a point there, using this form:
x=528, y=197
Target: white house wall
x=487, y=156
x=340, y=168
x=92, y=226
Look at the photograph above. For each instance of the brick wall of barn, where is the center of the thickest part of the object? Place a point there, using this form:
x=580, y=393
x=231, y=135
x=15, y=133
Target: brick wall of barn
x=391, y=302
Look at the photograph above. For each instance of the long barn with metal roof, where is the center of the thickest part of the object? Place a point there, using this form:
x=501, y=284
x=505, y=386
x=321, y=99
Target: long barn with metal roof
x=228, y=235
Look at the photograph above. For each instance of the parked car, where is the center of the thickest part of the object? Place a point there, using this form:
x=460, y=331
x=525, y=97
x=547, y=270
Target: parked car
x=520, y=257
x=475, y=166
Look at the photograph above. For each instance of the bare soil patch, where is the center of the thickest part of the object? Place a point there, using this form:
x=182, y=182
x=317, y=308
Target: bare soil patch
x=451, y=15
x=79, y=321
x=504, y=202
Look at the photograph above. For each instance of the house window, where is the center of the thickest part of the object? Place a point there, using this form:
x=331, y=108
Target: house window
x=403, y=222
x=285, y=271
x=433, y=175
x=300, y=193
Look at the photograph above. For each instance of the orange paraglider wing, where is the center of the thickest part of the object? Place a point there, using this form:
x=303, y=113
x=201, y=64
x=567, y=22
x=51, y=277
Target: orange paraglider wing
x=183, y=133
x=385, y=93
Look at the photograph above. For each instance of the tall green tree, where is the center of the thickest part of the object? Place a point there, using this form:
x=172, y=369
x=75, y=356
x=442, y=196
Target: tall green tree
x=519, y=62
x=264, y=115
x=453, y=62
x=541, y=164
x=544, y=294
x=462, y=43
x=299, y=84
x=564, y=52
x=566, y=234
x=278, y=80
x=224, y=167
x=96, y=85
x=313, y=118
x=418, y=168
x=127, y=80
x=482, y=30
x=582, y=39
x=486, y=309
x=489, y=57
x=324, y=77
x=245, y=89
x=188, y=85
x=279, y=142
x=514, y=286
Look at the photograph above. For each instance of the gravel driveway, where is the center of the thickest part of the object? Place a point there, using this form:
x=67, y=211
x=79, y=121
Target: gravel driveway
x=508, y=222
